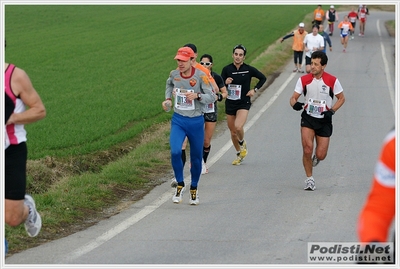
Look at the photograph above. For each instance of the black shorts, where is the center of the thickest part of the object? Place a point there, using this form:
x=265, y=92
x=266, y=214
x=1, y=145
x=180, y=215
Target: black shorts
x=231, y=107
x=210, y=117
x=320, y=126
x=308, y=60
x=15, y=171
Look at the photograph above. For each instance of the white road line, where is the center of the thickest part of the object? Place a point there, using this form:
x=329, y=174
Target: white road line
x=250, y=123
x=387, y=71
x=167, y=195
x=119, y=228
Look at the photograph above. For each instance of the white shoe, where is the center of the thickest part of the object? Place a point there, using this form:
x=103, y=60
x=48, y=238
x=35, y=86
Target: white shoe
x=177, y=198
x=194, y=197
x=204, y=169
x=310, y=184
x=174, y=183
x=33, y=223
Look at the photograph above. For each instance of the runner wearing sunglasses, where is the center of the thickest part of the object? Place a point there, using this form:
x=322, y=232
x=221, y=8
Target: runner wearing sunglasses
x=211, y=110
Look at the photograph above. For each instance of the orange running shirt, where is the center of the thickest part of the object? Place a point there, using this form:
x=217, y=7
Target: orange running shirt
x=377, y=215
x=319, y=15
x=346, y=26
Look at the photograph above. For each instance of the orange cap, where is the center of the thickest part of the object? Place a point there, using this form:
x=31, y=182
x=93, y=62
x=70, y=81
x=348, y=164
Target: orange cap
x=184, y=54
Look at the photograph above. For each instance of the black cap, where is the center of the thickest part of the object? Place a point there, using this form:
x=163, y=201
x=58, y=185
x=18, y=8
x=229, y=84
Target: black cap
x=192, y=46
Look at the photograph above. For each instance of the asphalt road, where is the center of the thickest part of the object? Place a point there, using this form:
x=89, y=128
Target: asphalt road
x=258, y=213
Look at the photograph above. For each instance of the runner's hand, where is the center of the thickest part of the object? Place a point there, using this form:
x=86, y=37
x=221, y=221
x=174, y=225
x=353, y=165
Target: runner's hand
x=328, y=115
x=298, y=106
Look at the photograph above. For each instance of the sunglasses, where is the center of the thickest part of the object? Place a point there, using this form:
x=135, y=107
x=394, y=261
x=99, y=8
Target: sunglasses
x=206, y=64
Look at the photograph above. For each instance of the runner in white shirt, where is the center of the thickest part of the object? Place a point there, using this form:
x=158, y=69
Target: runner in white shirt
x=312, y=42
x=319, y=89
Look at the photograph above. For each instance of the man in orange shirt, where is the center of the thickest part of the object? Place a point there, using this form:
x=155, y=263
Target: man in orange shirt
x=319, y=15
x=379, y=210
x=298, y=46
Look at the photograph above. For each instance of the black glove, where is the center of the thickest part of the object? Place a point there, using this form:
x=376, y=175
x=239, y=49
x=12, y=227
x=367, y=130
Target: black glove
x=298, y=106
x=220, y=97
x=328, y=115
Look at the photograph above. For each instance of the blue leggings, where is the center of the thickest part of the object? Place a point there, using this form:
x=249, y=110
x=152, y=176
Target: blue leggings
x=193, y=128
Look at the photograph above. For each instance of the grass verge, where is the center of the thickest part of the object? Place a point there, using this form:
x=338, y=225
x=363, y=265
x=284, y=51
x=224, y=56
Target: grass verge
x=75, y=193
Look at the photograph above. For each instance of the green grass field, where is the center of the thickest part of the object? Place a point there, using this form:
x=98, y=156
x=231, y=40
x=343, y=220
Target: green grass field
x=101, y=70
x=101, y=73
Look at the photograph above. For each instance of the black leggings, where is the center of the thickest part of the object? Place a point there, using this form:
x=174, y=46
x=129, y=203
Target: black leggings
x=298, y=57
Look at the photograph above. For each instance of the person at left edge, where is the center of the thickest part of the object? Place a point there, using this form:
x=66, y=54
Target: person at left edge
x=26, y=107
x=191, y=90
x=237, y=78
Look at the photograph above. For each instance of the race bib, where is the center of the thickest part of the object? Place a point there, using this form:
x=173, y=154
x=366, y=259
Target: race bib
x=209, y=108
x=181, y=102
x=316, y=107
x=234, y=92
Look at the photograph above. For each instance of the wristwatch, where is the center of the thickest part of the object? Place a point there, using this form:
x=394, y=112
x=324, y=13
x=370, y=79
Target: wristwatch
x=198, y=96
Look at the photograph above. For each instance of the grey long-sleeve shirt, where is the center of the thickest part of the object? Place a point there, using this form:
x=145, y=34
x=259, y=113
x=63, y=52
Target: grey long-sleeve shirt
x=198, y=82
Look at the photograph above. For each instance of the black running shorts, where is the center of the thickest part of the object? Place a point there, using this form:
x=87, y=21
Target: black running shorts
x=232, y=107
x=15, y=171
x=320, y=126
x=210, y=117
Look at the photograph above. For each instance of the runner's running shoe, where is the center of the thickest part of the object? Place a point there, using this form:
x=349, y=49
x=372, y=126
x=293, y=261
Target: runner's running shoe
x=33, y=223
x=315, y=161
x=310, y=184
x=243, y=149
x=177, y=198
x=237, y=161
x=194, y=197
x=204, y=169
x=174, y=183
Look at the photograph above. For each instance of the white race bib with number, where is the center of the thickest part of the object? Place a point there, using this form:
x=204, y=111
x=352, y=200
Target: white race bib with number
x=316, y=107
x=181, y=102
x=234, y=92
x=209, y=108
